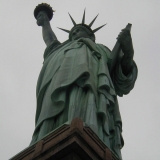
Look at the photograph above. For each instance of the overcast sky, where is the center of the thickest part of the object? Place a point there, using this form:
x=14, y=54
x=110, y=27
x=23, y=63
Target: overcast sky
x=22, y=47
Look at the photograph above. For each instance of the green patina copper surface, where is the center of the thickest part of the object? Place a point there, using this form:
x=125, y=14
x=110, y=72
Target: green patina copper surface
x=75, y=81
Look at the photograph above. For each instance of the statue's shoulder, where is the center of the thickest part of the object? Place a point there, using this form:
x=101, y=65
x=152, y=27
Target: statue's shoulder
x=104, y=51
x=54, y=46
x=103, y=47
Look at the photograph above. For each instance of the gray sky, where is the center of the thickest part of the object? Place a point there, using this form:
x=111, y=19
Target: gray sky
x=22, y=47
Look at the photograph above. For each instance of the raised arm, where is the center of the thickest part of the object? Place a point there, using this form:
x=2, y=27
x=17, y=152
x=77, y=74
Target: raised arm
x=47, y=32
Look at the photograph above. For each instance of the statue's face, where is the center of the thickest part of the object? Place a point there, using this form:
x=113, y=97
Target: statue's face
x=79, y=33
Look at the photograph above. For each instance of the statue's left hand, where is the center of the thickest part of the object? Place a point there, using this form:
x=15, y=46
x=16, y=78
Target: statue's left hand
x=125, y=40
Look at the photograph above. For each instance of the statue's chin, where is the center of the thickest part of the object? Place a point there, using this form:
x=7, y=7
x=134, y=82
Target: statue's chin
x=76, y=38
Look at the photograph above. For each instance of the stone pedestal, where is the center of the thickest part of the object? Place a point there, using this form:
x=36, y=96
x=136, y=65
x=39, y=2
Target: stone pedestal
x=69, y=142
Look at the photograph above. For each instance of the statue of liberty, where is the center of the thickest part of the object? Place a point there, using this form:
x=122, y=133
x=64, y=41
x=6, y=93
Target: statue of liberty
x=81, y=78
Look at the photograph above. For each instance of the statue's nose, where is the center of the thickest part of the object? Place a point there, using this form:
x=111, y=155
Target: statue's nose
x=74, y=32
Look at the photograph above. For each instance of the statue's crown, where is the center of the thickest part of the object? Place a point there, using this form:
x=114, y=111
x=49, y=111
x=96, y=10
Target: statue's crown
x=82, y=25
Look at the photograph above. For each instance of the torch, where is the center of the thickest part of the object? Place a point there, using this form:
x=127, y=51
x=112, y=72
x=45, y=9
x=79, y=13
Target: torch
x=44, y=7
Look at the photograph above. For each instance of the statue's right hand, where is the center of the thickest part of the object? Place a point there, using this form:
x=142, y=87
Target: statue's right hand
x=42, y=18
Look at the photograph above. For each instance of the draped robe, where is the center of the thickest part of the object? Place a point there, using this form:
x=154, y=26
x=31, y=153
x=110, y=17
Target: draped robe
x=75, y=82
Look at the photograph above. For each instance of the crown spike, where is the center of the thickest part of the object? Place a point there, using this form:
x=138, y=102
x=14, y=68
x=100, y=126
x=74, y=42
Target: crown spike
x=72, y=20
x=64, y=30
x=90, y=25
x=95, y=30
x=83, y=19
